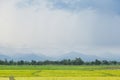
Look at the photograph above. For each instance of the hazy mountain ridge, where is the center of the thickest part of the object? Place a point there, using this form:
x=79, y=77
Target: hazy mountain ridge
x=70, y=55
x=2, y=57
x=29, y=57
x=73, y=55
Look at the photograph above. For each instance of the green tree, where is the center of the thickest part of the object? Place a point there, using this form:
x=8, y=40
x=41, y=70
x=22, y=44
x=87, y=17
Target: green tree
x=97, y=62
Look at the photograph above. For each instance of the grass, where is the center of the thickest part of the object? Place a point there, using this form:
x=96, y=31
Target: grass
x=59, y=67
x=63, y=78
x=60, y=73
x=68, y=78
x=56, y=72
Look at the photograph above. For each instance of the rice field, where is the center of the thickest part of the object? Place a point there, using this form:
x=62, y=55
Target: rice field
x=63, y=78
x=59, y=73
x=56, y=72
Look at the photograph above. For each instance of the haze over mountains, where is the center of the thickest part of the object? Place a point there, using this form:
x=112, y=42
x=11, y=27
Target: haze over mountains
x=70, y=55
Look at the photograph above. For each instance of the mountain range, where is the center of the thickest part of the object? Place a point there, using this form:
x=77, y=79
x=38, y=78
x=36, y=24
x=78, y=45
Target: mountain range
x=70, y=55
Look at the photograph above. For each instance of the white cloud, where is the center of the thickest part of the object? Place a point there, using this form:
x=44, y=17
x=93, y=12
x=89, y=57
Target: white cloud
x=45, y=26
x=41, y=28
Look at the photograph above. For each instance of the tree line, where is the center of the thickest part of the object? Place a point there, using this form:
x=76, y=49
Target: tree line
x=77, y=61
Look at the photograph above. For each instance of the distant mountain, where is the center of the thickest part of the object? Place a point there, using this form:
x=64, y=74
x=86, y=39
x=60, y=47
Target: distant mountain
x=73, y=55
x=29, y=57
x=70, y=55
x=3, y=57
x=26, y=57
x=110, y=56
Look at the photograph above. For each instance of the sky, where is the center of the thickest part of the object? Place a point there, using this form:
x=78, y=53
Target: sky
x=55, y=27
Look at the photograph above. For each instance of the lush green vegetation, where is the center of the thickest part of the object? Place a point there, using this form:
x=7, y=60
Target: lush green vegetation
x=60, y=72
x=64, y=78
x=59, y=67
x=77, y=61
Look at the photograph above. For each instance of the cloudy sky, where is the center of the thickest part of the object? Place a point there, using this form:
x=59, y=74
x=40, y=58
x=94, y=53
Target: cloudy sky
x=55, y=27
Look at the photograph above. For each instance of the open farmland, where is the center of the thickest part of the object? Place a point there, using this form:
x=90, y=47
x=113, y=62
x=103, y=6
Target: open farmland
x=63, y=78
x=55, y=72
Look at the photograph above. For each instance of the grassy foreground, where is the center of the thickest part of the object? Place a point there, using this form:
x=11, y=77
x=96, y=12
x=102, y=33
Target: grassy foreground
x=56, y=72
x=59, y=67
x=63, y=78
x=60, y=73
